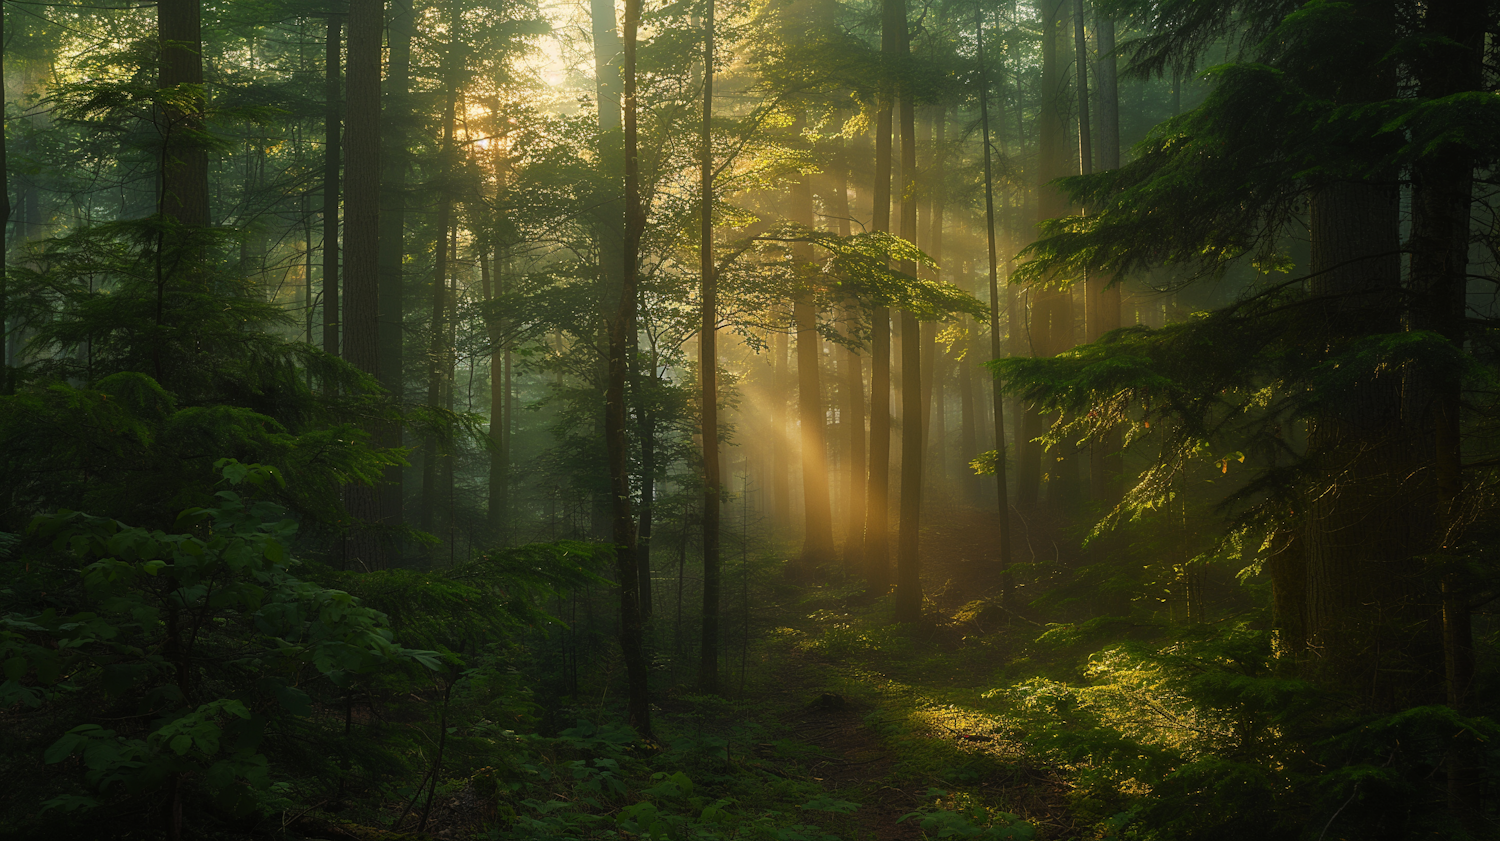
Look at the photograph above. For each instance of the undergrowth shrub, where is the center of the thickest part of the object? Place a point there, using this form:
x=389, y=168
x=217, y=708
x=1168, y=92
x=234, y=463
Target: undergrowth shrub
x=1183, y=740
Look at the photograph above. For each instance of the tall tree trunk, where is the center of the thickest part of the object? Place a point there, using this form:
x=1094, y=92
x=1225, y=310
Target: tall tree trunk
x=362, y=232
x=610, y=215
x=877, y=503
x=1357, y=546
x=184, y=172
x=708, y=368
x=5, y=359
x=1001, y=484
x=436, y=456
x=1051, y=321
x=817, y=545
x=395, y=158
x=621, y=340
x=908, y=541
x=1441, y=202
x=332, y=62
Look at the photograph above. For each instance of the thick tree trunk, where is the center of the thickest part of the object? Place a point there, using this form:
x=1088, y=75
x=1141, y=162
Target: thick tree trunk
x=1358, y=537
x=184, y=171
x=622, y=329
x=392, y=237
x=1441, y=202
x=332, y=63
x=362, y=231
x=1051, y=323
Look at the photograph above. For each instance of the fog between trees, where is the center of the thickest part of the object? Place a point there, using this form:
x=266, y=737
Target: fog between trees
x=377, y=373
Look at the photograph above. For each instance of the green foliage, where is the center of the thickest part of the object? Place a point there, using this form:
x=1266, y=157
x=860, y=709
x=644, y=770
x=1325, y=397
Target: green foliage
x=1188, y=737
x=200, y=640
x=961, y=816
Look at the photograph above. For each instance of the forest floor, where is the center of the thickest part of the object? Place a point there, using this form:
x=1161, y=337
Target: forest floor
x=888, y=725
x=899, y=721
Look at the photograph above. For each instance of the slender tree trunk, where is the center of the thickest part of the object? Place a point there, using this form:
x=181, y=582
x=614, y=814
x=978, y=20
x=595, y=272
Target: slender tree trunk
x=435, y=455
x=5, y=359
x=877, y=502
x=1001, y=484
x=395, y=158
x=708, y=367
x=499, y=468
x=621, y=339
x=908, y=541
x=332, y=61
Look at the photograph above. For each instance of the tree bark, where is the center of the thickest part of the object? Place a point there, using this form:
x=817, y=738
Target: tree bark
x=1358, y=540
x=610, y=218
x=332, y=63
x=1001, y=483
x=5, y=359
x=1051, y=321
x=436, y=457
x=184, y=172
x=362, y=231
x=395, y=159
x=621, y=340
x=877, y=503
x=708, y=373
x=908, y=541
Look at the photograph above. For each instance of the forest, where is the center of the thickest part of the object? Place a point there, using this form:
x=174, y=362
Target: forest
x=778, y=420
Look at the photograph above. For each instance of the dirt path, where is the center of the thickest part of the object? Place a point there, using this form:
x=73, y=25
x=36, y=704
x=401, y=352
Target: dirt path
x=853, y=762
x=856, y=762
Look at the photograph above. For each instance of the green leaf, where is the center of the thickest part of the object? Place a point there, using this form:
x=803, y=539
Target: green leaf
x=62, y=748
x=181, y=744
